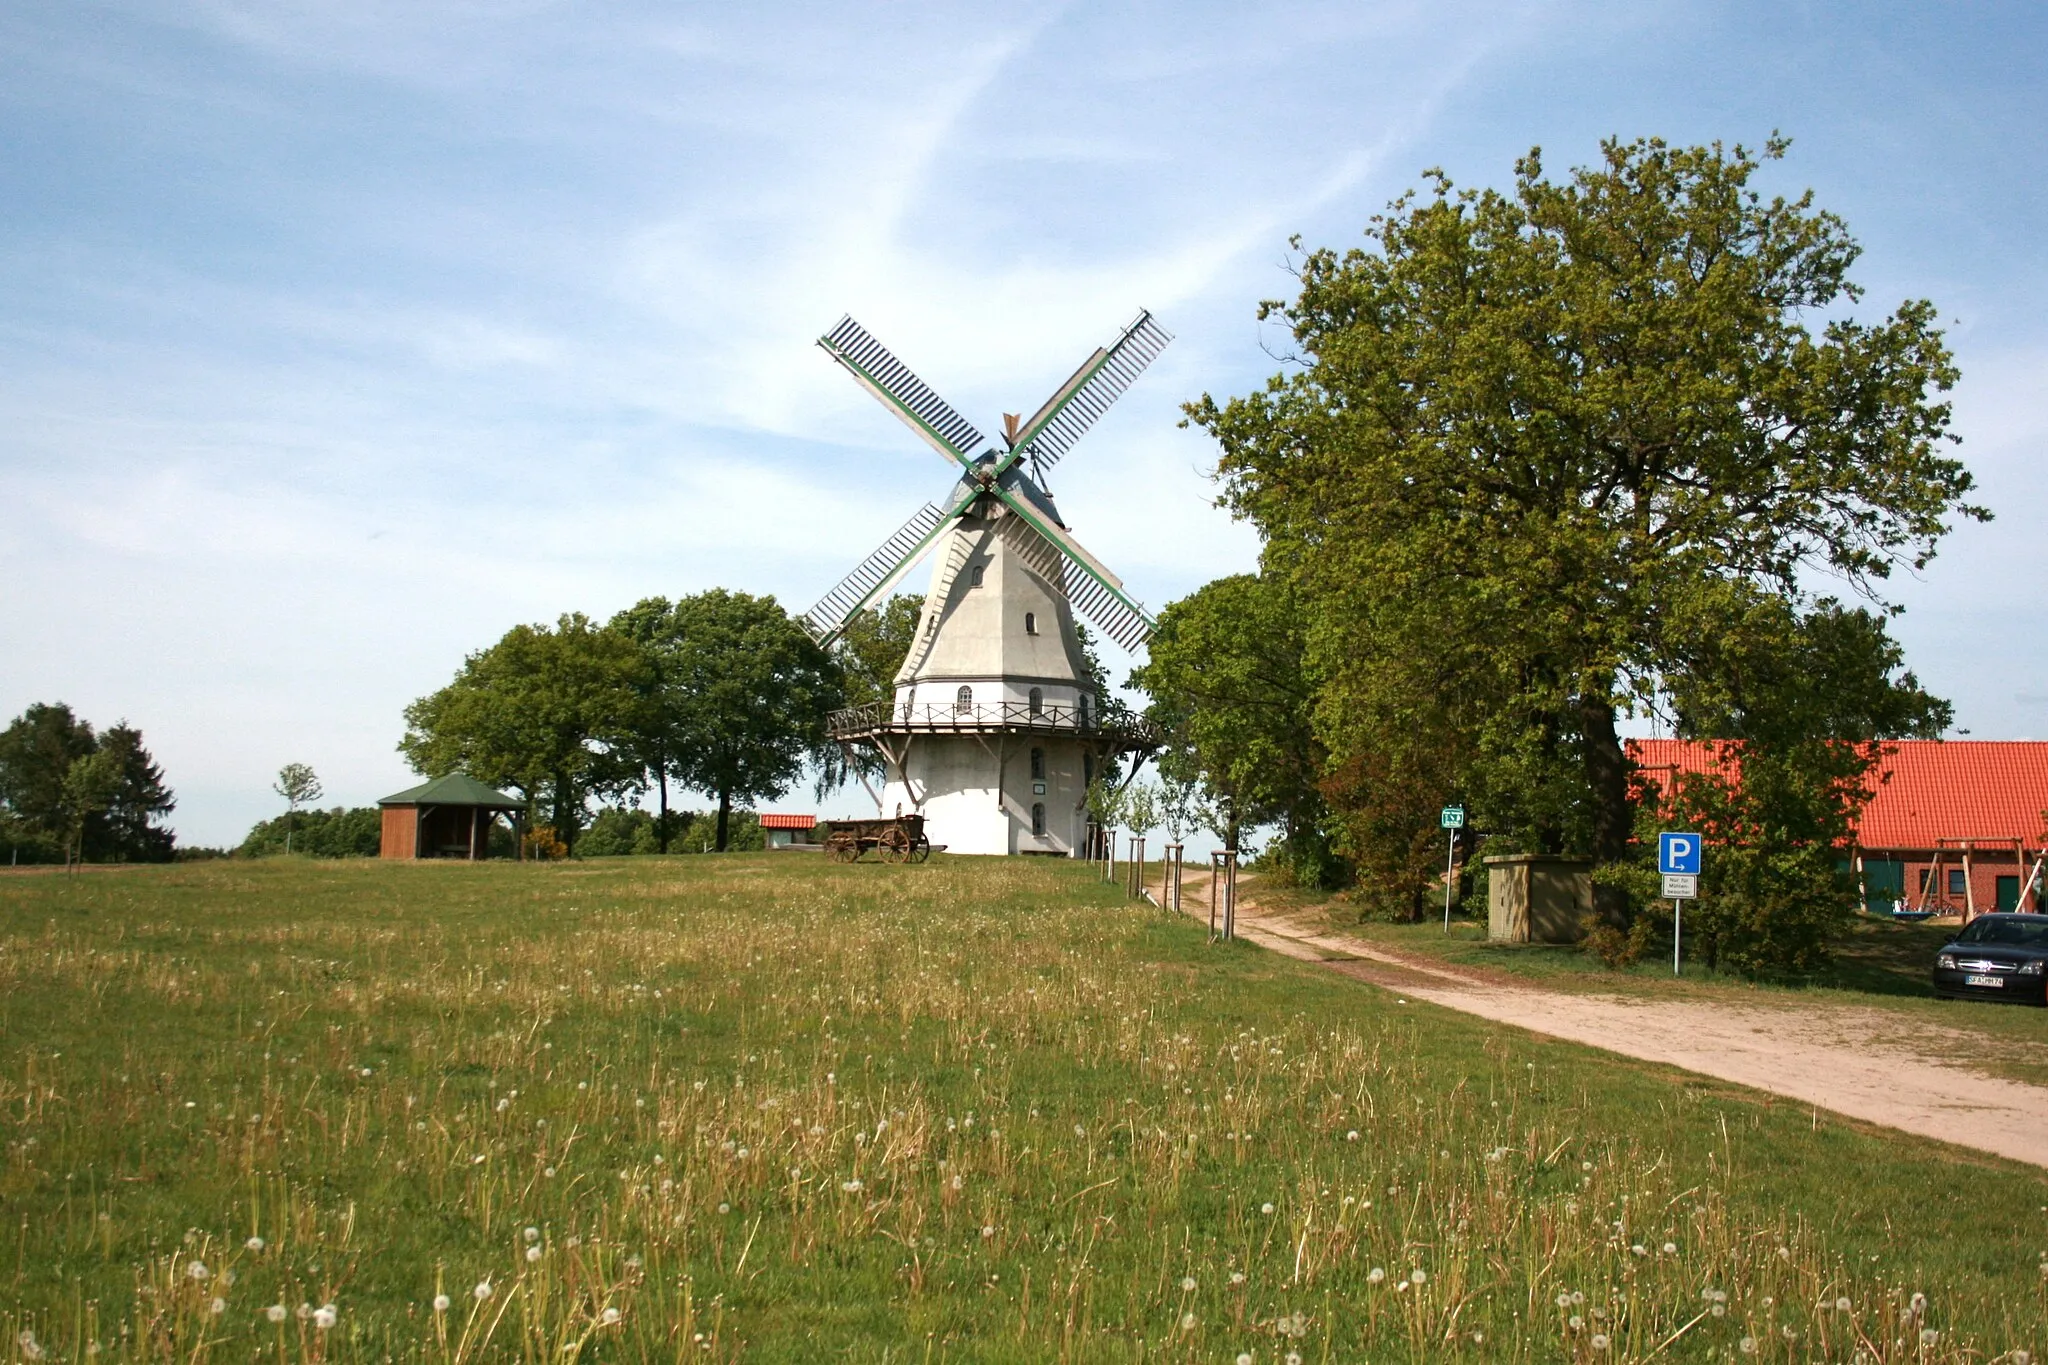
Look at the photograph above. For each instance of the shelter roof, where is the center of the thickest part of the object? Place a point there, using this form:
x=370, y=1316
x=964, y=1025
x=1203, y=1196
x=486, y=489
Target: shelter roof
x=1926, y=790
x=456, y=789
x=771, y=821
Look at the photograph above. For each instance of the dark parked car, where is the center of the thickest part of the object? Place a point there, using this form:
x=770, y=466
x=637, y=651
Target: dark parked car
x=1999, y=957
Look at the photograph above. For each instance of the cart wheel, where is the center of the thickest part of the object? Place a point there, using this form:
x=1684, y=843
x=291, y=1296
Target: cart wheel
x=842, y=850
x=920, y=850
x=894, y=845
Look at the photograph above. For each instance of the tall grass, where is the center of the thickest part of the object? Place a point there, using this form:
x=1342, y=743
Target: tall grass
x=770, y=1108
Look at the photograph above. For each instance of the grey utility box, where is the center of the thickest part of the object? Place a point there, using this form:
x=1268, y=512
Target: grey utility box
x=1537, y=898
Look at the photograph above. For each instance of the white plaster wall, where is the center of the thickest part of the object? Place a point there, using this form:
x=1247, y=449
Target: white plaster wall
x=966, y=810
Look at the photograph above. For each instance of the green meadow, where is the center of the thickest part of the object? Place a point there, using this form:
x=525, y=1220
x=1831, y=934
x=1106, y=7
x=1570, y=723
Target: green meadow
x=765, y=1107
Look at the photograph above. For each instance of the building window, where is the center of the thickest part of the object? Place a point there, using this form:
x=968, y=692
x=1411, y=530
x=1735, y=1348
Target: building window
x=1038, y=818
x=1955, y=881
x=974, y=576
x=1038, y=765
x=963, y=700
x=1081, y=708
x=1037, y=701
x=1030, y=623
x=1087, y=770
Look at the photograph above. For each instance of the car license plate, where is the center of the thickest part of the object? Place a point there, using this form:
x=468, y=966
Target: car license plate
x=1983, y=981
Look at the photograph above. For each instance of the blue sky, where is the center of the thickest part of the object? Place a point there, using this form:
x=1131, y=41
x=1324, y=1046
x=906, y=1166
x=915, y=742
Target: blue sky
x=335, y=339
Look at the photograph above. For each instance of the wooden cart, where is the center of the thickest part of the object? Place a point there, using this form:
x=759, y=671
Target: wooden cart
x=900, y=840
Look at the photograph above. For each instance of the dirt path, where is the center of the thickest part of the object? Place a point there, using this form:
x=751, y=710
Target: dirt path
x=1829, y=1056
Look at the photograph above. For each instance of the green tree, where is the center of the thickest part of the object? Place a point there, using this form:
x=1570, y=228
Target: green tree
x=1230, y=687
x=869, y=653
x=91, y=784
x=298, y=785
x=126, y=831
x=752, y=692
x=38, y=751
x=552, y=713
x=1541, y=444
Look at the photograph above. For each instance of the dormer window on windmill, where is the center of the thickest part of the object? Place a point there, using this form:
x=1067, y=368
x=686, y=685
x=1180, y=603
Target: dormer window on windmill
x=974, y=576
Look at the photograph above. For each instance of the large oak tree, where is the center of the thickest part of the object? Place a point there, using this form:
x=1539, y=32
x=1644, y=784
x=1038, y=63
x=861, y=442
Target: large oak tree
x=1583, y=448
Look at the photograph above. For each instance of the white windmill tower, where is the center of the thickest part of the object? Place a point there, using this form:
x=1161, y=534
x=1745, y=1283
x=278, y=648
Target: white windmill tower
x=995, y=733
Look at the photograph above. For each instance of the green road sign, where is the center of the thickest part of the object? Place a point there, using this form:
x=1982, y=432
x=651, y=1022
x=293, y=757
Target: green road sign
x=1453, y=817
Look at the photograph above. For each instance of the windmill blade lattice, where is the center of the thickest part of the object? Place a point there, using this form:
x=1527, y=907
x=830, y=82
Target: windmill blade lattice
x=1104, y=606
x=929, y=415
x=836, y=607
x=1083, y=399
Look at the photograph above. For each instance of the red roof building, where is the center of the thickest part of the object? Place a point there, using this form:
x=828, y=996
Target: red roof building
x=1955, y=826
x=788, y=831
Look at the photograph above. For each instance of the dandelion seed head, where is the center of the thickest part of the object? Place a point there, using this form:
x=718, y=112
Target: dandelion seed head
x=323, y=1316
x=1375, y=1275
x=483, y=1290
x=532, y=1255
x=987, y=1231
x=1418, y=1276
x=218, y=1306
x=30, y=1347
x=254, y=1244
x=532, y=1235
x=609, y=1317
x=1747, y=1346
x=850, y=1186
x=1244, y=1358
x=1351, y=1136
x=1842, y=1305
x=276, y=1312
x=1187, y=1322
x=1266, y=1208
x=1928, y=1336
x=440, y=1303
x=1575, y=1322
x=1237, y=1277
x=197, y=1270
x=1671, y=1248
x=725, y=1208
x=1187, y=1284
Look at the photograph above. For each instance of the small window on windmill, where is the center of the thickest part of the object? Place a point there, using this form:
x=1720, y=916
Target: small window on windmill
x=1030, y=623
x=1087, y=770
x=963, y=700
x=1081, y=708
x=974, y=576
x=1038, y=765
x=1037, y=701
x=1038, y=818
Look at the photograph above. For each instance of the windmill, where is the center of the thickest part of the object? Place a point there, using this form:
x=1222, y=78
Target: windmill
x=995, y=733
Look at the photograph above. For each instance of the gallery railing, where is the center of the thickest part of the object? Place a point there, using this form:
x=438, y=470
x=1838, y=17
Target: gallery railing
x=944, y=717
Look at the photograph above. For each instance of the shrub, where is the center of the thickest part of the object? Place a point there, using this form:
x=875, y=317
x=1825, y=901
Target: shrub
x=336, y=833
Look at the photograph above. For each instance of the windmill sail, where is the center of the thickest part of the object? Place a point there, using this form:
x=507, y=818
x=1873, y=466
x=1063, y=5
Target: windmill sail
x=1083, y=399
x=902, y=392
x=876, y=573
x=1095, y=592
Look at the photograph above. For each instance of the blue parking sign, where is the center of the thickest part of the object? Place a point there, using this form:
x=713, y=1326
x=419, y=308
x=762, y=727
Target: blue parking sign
x=1679, y=853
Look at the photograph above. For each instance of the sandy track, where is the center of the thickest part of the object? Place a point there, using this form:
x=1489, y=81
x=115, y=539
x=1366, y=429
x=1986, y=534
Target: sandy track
x=1829, y=1056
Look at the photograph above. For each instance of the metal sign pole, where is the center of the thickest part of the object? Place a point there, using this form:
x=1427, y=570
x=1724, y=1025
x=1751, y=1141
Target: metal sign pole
x=1677, y=929
x=1450, y=863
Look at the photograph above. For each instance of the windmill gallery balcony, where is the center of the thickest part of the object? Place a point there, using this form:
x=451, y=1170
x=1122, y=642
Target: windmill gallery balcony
x=1125, y=732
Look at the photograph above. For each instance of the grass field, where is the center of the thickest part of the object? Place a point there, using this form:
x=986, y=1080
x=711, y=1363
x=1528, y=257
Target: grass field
x=770, y=1108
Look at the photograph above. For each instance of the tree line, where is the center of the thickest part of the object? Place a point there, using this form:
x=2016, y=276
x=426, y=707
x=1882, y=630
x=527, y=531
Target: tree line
x=70, y=793
x=1543, y=463
x=722, y=693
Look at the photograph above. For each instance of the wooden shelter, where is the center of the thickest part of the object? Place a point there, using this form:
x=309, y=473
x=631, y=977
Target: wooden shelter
x=449, y=817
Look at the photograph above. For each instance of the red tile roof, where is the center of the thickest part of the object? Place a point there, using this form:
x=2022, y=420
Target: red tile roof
x=789, y=822
x=1927, y=789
